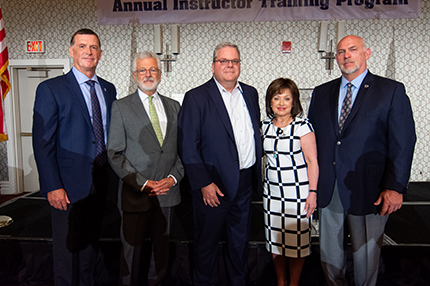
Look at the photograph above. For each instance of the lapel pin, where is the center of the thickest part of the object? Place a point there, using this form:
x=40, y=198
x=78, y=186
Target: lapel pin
x=366, y=86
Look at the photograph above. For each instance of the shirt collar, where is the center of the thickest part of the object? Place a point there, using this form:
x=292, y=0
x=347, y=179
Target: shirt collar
x=81, y=78
x=222, y=89
x=144, y=96
x=356, y=81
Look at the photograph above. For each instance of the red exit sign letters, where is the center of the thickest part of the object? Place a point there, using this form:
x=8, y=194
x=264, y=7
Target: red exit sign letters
x=35, y=46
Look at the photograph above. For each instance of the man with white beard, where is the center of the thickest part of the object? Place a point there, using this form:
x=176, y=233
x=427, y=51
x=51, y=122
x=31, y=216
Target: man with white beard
x=142, y=150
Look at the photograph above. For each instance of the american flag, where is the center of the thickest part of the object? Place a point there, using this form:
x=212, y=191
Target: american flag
x=4, y=77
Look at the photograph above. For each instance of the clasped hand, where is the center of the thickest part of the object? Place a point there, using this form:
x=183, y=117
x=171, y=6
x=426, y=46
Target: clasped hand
x=159, y=188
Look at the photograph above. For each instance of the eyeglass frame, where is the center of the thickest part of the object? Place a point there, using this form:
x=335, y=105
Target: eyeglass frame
x=234, y=62
x=152, y=71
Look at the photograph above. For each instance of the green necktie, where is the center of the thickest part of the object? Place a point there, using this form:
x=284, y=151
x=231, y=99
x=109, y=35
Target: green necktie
x=154, y=121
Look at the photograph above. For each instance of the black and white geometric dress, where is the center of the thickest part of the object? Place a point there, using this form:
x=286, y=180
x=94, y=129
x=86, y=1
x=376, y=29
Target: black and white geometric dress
x=286, y=188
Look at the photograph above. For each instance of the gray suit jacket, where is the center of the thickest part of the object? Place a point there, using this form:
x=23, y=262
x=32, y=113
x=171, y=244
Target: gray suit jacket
x=136, y=155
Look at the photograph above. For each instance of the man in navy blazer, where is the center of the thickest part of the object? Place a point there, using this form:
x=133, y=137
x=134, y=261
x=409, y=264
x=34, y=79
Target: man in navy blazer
x=220, y=146
x=365, y=149
x=64, y=144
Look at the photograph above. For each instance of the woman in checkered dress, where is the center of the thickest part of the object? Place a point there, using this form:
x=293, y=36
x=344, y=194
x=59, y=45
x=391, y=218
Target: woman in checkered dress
x=290, y=181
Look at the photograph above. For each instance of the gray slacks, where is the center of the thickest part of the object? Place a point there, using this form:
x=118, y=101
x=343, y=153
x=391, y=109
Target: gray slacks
x=366, y=238
x=134, y=229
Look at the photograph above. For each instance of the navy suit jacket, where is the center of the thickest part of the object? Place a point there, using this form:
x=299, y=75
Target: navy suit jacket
x=375, y=148
x=63, y=137
x=206, y=140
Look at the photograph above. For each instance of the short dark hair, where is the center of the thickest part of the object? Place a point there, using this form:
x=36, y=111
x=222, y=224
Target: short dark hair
x=276, y=87
x=84, y=32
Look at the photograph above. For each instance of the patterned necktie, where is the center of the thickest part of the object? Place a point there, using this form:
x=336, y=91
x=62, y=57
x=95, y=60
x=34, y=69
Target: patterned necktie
x=154, y=121
x=101, y=155
x=346, y=107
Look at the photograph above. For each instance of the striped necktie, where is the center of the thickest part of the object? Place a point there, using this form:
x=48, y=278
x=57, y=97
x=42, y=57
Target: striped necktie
x=154, y=120
x=101, y=155
x=346, y=107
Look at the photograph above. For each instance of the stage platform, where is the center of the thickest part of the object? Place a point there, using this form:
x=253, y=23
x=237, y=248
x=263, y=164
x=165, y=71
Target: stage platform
x=26, y=256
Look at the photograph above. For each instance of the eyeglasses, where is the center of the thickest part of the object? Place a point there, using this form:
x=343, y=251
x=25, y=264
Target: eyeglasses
x=224, y=62
x=152, y=71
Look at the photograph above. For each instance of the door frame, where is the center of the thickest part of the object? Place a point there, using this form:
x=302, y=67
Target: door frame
x=13, y=121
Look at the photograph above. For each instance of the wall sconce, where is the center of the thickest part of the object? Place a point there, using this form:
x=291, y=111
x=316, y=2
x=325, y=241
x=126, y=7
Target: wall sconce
x=340, y=33
x=328, y=55
x=158, y=39
x=158, y=45
x=175, y=38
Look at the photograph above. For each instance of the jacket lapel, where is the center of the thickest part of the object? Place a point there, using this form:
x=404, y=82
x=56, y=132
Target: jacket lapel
x=220, y=106
x=361, y=96
x=334, y=112
x=108, y=103
x=142, y=115
x=169, y=114
x=76, y=92
x=255, y=121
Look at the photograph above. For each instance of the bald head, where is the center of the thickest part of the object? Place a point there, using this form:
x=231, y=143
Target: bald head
x=351, y=56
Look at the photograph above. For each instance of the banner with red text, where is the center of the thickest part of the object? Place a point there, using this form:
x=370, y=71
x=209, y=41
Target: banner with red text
x=118, y=12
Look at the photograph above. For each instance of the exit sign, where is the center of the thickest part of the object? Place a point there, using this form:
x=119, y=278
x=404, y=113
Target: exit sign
x=35, y=46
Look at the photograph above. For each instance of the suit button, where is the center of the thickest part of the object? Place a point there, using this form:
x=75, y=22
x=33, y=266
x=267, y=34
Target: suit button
x=338, y=142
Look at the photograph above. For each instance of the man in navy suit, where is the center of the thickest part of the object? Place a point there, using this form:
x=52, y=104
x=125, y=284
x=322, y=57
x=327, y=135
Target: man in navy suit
x=365, y=136
x=70, y=122
x=220, y=146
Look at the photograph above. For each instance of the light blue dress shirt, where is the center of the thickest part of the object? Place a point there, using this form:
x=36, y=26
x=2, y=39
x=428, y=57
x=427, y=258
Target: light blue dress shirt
x=343, y=88
x=85, y=88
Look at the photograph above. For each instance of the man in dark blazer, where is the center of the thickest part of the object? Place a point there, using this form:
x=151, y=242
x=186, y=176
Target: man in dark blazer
x=69, y=135
x=220, y=146
x=143, y=153
x=364, y=155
